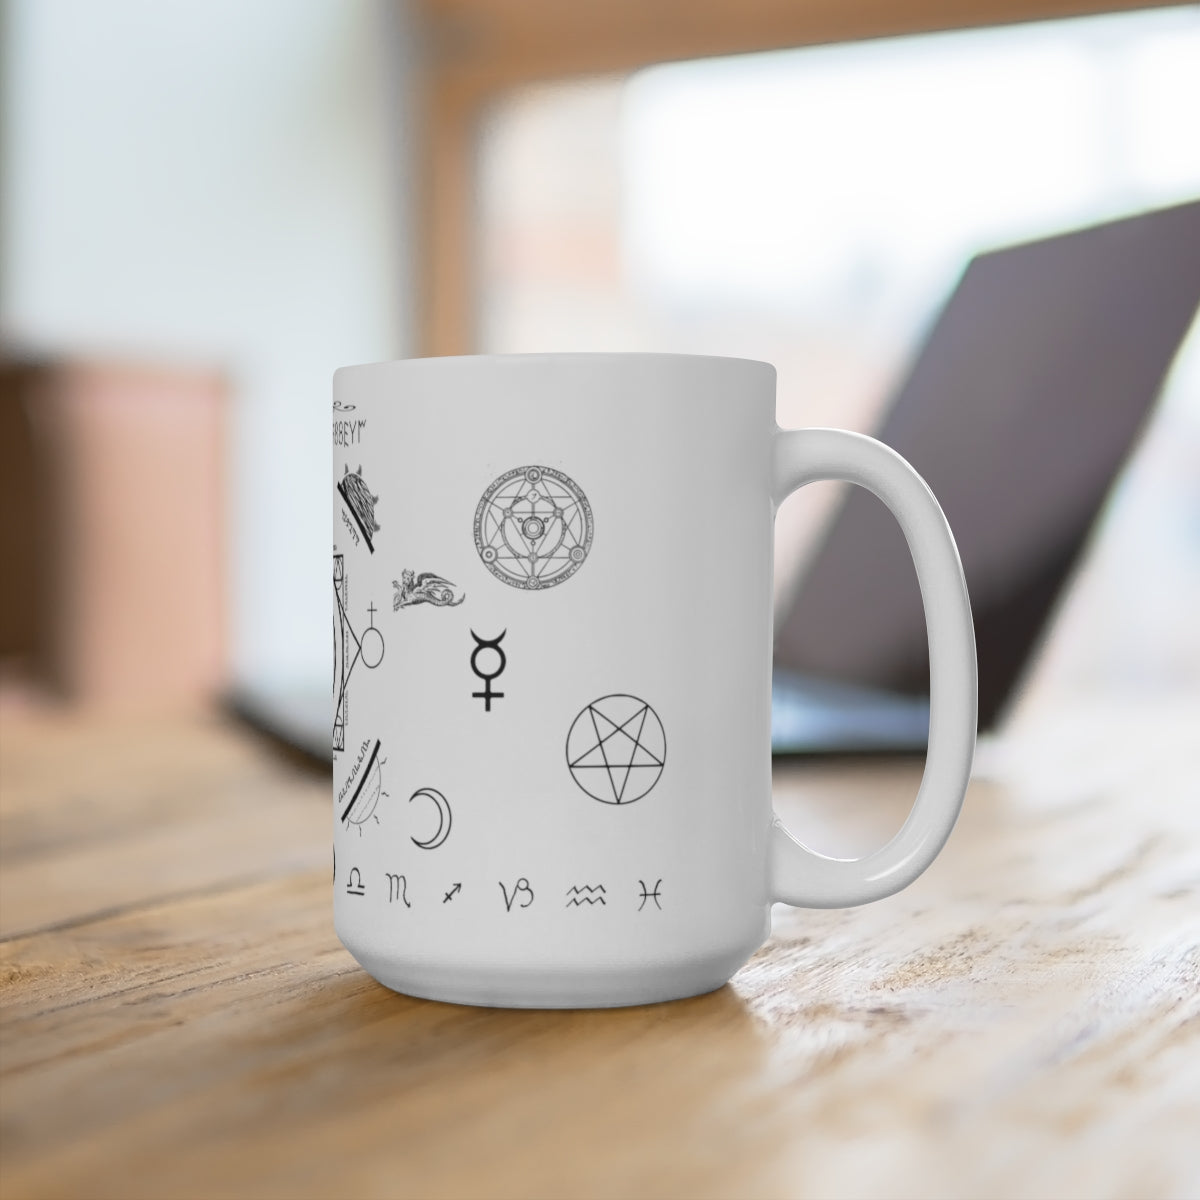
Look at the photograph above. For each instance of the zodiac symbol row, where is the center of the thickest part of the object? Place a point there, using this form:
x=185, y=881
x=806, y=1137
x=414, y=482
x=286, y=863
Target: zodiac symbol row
x=516, y=895
x=397, y=886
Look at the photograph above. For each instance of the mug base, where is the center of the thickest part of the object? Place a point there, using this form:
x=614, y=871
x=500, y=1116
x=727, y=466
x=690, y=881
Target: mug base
x=601, y=987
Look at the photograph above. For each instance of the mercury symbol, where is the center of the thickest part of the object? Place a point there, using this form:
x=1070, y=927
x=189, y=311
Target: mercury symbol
x=498, y=664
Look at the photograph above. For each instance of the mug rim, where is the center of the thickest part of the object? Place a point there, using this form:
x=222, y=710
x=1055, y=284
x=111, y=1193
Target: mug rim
x=554, y=356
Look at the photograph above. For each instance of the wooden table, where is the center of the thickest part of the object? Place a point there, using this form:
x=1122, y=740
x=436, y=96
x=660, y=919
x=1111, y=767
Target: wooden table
x=179, y=1019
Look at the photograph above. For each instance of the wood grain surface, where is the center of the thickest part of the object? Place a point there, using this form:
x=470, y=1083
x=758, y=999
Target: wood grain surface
x=179, y=1020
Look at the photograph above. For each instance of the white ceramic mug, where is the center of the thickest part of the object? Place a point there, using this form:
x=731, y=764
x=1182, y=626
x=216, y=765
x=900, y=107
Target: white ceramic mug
x=552, y=640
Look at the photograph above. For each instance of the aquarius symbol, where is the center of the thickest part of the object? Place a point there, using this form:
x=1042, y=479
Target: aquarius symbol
x=481, y=644
x=398, y=889
x=650, y=895
x=354, y=885
x=522, y=885
x=576, y=897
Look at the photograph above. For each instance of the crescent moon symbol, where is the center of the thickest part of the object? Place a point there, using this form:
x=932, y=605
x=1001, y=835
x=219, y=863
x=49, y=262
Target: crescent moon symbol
x=444, y=817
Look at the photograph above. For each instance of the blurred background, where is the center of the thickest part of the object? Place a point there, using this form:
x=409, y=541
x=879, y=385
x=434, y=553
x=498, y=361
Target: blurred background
x=207, y=206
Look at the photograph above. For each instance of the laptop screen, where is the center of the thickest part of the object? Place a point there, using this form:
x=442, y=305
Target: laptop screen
x=1019, y=411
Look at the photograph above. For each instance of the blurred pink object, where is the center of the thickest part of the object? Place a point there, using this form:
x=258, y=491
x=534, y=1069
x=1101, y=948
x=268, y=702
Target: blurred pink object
x=130, y=508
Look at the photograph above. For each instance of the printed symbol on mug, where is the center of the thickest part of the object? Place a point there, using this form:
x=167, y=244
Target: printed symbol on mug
x=452, y=893
x=492, y=668
x=426, y=588
x=398, y=889
x=349, y=649
x=589, y=893
x=348, y=431
x=444, y=818
x=648, y=895
x=368, y=790
x=520, y=889
x=354, y=885
x=533, y=527
x=354, y=491
x=616, y=749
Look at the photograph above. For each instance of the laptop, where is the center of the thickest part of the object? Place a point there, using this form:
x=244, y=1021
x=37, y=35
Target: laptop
x=1019, y=411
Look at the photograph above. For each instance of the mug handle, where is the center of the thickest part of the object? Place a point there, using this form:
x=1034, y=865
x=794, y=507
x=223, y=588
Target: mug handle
x=799, y=875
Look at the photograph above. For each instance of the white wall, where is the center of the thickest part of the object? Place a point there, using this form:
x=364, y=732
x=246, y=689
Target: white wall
x=216, y=181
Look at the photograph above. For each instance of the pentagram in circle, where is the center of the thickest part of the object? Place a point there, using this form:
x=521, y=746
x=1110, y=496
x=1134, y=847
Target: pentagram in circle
x=616, y=749
x=533, y=527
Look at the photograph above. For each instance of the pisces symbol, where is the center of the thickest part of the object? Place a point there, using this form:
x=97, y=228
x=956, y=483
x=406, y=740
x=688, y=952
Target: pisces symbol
x=650, y=894
x=481, y=644
x=522, y=885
